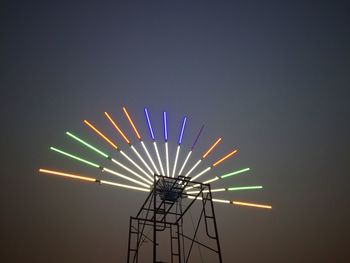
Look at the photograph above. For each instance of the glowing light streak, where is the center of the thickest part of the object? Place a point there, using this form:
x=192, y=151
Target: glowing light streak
x=211, y=148
x=136, y=165
x=235, y=172
x=142, y=160
x=124, y=177
x=167, y=159
x=194, y=167
x=185, y=162
x=158, y=157
x=224, y=158
x=149, y=157
x=131, y=171
x=90, y=179
x=176, y=157
x=74, y=176
x=117, y=128
x=245, y=188
x=132, y=123
x=87, y=144
x=149, y=124
x=100, y=133
x=182, y=130
x=124, y=186
x=207, y=191
x=165, y=123
x=189, y=154
x=201, y=173
x=251, y=204
x=199, y=134
x=213, y=199
x=75, y=157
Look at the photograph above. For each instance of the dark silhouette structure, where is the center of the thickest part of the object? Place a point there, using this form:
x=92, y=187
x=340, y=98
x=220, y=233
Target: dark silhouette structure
x=163, y=213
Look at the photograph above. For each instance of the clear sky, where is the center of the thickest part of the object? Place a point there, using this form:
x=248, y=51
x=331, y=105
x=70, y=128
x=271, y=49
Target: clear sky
x=270, y=77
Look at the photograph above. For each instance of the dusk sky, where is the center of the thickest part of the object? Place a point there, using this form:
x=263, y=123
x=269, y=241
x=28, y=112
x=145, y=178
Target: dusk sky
x=269, y=77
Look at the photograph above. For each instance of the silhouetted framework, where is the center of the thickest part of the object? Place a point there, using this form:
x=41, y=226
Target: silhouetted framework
x=163, y=212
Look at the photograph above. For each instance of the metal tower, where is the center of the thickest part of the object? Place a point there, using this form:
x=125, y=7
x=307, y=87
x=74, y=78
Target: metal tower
x=163, y=211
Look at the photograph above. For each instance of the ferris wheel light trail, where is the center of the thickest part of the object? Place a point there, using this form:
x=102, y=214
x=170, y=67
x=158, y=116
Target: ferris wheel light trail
x=87, y=144
x=251, y=204
x=235, y=172
x=74, y=157
x=101, y=134
x=132, y=123
x=211, y=148
x=124, y=177
x=179, y=144
x=90, y=179
x=224, y=158
x=199, y=161
x=190, y=152
x=117, y=128
x=106, y=156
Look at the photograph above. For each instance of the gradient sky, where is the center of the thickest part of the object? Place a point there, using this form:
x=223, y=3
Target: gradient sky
x=271, y=78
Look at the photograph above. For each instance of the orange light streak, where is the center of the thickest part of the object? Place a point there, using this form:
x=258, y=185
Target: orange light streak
x=99, y=133
x=74, y=176
x=251, y=204
x=211, y=148
x=224, y=158
x=118, y=129
x=132, y=123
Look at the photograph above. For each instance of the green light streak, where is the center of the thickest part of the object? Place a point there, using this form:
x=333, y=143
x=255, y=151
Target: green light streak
x=86, y=144
x=235, y=172
x=245, y=188
x=74, y=157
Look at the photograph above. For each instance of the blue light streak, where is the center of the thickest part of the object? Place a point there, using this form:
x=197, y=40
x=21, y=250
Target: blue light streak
x=149, y=124
x=165, y=122
x=182, y=130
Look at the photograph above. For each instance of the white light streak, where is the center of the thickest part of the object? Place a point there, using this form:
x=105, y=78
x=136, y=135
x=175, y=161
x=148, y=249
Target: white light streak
x=136, y=165
x=184, y=164
x=194, y=167
x=201, y=173
x=167, y=159
x=142, y=160
x=175, y=163
x=131, y=171
x=124, y=177
x=124, y=186
x=149, y=157
x=158, y=157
